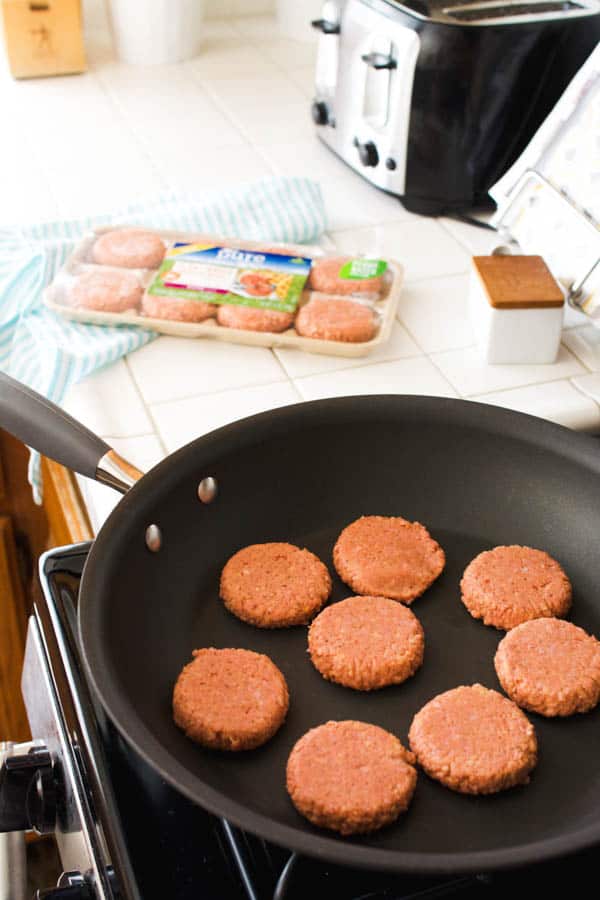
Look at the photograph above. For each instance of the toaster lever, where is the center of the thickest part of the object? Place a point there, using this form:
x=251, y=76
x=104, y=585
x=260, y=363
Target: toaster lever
x=326, y=26
x=379, y=61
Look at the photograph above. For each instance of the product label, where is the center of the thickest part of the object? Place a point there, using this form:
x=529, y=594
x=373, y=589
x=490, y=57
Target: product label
x=216, y=274
x=358, y=269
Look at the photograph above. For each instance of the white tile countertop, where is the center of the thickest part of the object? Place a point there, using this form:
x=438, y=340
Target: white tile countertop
x=120, y=133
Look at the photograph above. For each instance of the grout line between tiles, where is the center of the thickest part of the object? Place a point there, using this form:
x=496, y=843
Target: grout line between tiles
x=297, y=391
x=145, y=406
x=582, y=392
x=579, y=358
x=444, y=377
x=138, y=141
x=299, y=398
x=457, y=238
x=594, y=428
x=406, y=328
x=517, y=387
x=126, y=437
x=212, y=393
x=227, y=114
x=258, y=148
x=298, y=388
x=38, y=157
x=358, y=362
x=143, y=145
x=214, y=100
x=416, y=280
x=280, y=364
x=514, y=387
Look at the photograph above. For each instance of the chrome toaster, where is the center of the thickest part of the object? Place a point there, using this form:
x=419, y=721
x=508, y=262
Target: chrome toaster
x=432, y=100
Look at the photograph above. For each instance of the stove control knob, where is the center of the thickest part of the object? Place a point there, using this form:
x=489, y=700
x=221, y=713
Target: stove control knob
x=75, y=892
x=320, y=112
x=367, y=153
x=28, y=792
x=71, y=886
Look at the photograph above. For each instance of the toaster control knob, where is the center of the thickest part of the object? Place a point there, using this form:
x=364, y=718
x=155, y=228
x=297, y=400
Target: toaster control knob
x=367, y=153
x=320, y=112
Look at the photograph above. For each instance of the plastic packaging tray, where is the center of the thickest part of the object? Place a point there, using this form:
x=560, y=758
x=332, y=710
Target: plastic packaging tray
x=56, y=298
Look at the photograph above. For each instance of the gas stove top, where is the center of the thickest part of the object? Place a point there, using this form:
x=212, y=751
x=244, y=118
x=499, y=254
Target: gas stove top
x=124, y=834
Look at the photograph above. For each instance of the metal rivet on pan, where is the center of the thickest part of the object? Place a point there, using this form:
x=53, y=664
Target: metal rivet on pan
x=207, y=489
x=153, y=538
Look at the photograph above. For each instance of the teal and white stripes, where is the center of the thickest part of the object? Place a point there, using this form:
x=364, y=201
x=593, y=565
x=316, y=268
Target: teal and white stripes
x=50, y=353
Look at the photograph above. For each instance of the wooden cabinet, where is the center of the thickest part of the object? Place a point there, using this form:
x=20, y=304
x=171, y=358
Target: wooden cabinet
x=67, y=518
x=13, y=612
x=26, y=530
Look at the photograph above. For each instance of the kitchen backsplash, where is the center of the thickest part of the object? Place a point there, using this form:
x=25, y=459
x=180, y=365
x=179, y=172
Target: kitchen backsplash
x=94, y=11
x=217, y=9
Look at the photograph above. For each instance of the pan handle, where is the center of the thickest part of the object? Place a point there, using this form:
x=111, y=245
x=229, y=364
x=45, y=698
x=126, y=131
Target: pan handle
x=45, y=427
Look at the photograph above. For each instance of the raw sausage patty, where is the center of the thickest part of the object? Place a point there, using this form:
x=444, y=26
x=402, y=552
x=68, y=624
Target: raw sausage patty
x=130, y=248
x=251, y=318
x=106, y=291
x=550, y=666
x=274, y=585
x=509, y=585
x=350, y=777
x=386, y=556
x=366, y=643
x=474, y=741
x=336, y=319
x=230, y=699
x=325, y=276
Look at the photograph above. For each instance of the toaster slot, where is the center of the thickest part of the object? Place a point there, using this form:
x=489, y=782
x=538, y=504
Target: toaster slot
x=479, y=12
x=380, y=62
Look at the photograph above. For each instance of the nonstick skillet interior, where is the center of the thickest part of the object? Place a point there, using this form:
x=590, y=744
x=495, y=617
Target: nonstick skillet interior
x=476, y=476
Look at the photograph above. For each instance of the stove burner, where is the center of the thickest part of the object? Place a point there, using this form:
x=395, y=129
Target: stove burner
x=124, y=834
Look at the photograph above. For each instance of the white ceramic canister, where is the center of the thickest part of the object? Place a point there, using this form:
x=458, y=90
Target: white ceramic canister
x=516, y=308
x=154, y=32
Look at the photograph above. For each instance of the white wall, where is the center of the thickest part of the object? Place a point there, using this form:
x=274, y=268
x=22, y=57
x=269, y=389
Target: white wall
x=217, y=9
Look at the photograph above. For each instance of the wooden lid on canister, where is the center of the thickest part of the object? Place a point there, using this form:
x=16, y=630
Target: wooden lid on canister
x=518, y=282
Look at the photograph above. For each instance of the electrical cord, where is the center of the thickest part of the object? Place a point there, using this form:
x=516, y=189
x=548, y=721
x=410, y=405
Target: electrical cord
x=470, y=220
x=464, y=217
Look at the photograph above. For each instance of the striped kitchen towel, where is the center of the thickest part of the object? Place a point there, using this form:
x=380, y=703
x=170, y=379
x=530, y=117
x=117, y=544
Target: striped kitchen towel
x=49, y=353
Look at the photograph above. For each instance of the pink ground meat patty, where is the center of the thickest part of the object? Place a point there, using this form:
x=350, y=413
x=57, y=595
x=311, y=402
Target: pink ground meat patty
x=176, y=309
x=336, y=319
x=550, y=667
x=366, y=643
x=106, y=290
x=350, y=777
x=509, y=585
x=325, y=276
x=130, y=248
x=387, y=556
x=230, y=699
x=474, y=741
x=274, y=585
x=251, y=318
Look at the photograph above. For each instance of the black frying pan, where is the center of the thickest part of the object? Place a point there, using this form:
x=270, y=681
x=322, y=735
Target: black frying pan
x=475, y=475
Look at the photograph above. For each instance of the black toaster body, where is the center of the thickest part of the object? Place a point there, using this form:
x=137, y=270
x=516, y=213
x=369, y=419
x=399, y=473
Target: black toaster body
x=466, y=86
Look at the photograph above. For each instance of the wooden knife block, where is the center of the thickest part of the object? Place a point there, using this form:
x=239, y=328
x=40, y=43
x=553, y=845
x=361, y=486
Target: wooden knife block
x=43, y=37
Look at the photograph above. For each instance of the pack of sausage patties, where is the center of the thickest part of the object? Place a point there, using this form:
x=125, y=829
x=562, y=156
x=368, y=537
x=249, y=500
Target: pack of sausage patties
x=250, y=292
